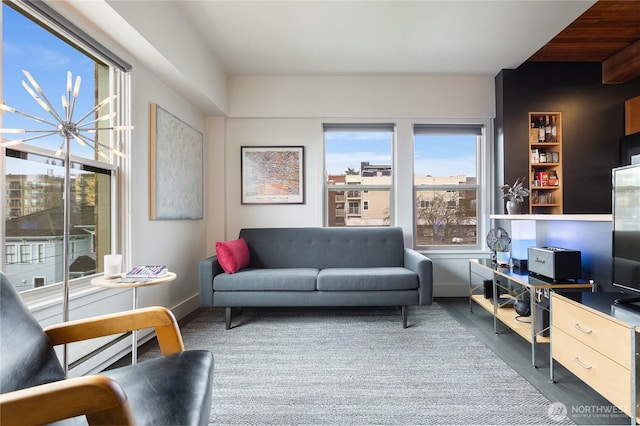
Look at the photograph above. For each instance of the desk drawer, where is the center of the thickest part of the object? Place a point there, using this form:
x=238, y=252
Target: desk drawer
x=604, y=375
x=608, y=337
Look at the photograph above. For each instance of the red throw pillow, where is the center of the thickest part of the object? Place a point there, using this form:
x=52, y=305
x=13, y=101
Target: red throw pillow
x=232, y=255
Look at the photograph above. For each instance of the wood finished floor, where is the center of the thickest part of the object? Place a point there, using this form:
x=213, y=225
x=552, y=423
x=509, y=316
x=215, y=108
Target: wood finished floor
x=584, y=405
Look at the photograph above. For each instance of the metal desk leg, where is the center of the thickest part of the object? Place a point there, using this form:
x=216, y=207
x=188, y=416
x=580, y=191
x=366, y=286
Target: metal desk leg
x=551, y=372
x=470, y=288
x=496, y=299
x=134, y=333
x=532, y=309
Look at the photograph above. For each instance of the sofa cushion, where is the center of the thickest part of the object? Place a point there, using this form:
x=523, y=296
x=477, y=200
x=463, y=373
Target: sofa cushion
x=331, y=247
x=359, y=279
x=232, y=255
x=292, y=279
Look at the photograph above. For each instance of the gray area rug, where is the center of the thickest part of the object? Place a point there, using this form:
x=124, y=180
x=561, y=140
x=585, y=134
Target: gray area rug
x=358, y=366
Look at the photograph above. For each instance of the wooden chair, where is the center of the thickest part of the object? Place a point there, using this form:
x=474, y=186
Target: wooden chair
x=174, y=389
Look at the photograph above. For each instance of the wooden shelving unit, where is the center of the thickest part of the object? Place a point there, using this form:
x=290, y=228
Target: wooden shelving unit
x=545, y=163
x=507, y=316
x=515, y=284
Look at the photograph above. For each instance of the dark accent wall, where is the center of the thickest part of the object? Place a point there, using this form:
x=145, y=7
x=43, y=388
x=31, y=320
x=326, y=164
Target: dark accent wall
x=593, y=123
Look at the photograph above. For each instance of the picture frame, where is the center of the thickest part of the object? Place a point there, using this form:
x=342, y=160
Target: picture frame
x=272, y=174
x=176, y=167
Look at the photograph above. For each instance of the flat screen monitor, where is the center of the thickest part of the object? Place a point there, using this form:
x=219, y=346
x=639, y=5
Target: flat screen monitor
x=626, y=230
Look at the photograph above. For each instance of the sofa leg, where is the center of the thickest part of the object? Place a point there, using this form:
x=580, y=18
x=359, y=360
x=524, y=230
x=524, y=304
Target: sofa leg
x=404, y=316
x=227, y=318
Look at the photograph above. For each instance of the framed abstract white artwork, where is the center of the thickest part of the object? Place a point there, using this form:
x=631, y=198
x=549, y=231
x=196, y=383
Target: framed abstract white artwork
x=175, y=167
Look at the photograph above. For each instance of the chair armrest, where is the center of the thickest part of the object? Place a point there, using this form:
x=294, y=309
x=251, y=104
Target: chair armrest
x=99, y=398
x=423, y=266
x=161, y=319
x=207, y=270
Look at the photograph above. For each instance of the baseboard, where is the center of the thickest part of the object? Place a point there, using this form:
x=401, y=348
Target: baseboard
x=186, y=307
x=451, y=290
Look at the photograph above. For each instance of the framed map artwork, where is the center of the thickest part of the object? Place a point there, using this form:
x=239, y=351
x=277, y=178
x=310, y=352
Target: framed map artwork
x=272, y=174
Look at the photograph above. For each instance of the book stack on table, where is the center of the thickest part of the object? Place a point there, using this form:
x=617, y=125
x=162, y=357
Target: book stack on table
x=147, y=271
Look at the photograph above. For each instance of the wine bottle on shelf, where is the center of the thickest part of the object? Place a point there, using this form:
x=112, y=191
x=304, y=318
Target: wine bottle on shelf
x=547, y=129
x=533, y=132
x=540, y=130
x=554, y=129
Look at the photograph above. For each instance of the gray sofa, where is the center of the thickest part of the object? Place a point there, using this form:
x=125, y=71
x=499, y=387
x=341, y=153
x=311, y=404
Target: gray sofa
x=294, y=267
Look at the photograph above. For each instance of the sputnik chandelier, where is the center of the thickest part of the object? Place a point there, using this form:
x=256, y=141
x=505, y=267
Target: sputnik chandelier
x=64, y=125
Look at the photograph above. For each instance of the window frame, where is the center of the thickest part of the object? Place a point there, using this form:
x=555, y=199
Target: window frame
x=117, y=80
x=482, y=185
x=77, y=163
x=26, y=254
x=41, y=252
x=361, y=188
x=10, y=249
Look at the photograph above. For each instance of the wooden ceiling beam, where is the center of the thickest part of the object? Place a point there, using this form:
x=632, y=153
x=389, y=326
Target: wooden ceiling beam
x=608, y=32
x=622, y=66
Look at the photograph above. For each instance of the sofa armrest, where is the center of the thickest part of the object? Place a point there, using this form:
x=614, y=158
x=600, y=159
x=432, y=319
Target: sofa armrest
x=423, y=266
x=207, y=269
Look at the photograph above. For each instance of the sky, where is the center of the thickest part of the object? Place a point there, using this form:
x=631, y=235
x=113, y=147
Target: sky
x=446, y=155
x=27, y=46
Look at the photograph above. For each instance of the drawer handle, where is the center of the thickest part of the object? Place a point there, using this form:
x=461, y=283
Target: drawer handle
x=581, y=364
x=582, y=330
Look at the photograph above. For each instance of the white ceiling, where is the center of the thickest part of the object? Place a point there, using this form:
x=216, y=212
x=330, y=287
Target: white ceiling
x=377, y=37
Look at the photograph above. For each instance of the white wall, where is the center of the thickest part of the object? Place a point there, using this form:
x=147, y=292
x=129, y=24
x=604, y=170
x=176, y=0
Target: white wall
x=162, y=41
x=291, y=111
x=180, y=244
x=433, y=96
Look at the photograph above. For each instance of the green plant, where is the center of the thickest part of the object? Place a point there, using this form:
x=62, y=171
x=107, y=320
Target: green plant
x=517, y=192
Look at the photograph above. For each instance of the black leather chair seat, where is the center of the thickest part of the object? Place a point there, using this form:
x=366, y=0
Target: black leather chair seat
x=171, y=390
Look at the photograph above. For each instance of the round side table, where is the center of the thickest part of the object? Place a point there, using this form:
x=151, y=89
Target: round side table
x=122, y=282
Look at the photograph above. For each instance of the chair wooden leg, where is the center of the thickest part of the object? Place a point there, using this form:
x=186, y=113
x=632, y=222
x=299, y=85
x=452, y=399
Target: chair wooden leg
x=227, y=317
x=404, y=316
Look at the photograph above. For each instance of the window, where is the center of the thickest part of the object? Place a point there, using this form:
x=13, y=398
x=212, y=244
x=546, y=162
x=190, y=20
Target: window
x=446, y=185
x=358, y=160
x=11, y=253
x=25, y=253
x=34, y=172
x=41, y=253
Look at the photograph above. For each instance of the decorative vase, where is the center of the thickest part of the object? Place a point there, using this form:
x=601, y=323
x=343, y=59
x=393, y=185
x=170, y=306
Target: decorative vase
x=513, y=207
